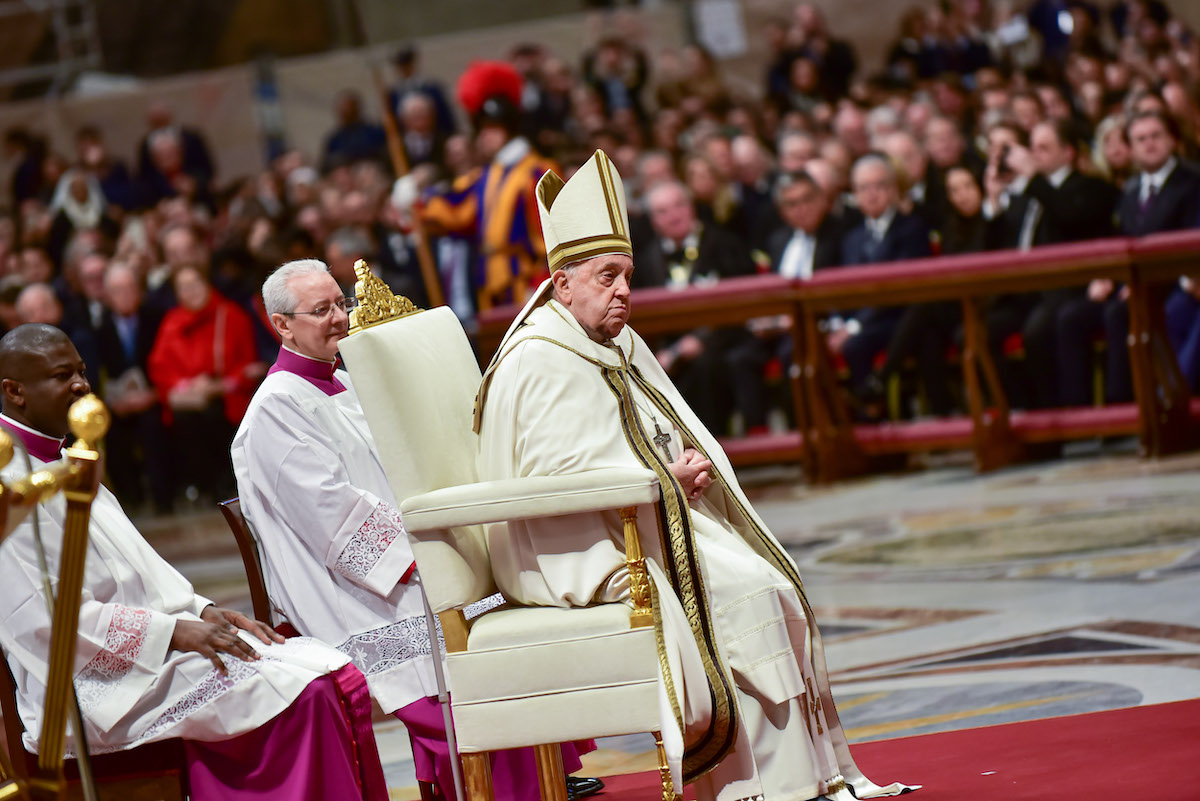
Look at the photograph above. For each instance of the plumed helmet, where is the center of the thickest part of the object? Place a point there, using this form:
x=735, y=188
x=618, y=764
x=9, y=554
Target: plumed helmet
x=490, y=91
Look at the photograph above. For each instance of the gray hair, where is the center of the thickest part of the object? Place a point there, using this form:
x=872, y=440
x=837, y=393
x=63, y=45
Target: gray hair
x=882, y=117
x=569, y=269
x=877, y=159
x=670, y=184
x=787, y=180
x=416, y=100
x=793, y=133
x=116, y=268
x=350, y=241
x=278, y=297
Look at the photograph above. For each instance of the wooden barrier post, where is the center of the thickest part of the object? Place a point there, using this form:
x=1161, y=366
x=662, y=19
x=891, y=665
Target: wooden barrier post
x=994, y=442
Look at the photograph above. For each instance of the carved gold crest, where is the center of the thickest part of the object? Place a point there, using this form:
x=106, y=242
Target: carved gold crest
x=376, y=303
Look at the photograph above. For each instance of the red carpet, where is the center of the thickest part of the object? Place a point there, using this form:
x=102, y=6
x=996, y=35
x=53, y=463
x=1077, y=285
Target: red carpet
x=1150, y=752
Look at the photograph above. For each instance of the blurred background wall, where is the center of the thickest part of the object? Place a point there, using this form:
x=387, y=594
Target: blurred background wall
x=75, y=62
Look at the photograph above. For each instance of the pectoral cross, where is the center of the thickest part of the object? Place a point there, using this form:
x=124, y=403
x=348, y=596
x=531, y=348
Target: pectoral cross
x=663, y=440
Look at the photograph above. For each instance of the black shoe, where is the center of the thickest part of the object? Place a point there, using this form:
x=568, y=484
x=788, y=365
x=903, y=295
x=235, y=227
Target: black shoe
x=582, y=786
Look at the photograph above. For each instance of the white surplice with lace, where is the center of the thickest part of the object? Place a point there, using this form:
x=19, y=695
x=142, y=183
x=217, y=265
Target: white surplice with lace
x=132, y=687
x=333, y=547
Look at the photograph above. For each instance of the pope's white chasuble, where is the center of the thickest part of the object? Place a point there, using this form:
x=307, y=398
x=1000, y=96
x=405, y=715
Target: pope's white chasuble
x=337, y=561
x=132, y=687
x=744, y=671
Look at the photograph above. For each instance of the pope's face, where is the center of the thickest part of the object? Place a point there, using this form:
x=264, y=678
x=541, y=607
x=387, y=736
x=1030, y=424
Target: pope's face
x=314, y=335
x=597, y=294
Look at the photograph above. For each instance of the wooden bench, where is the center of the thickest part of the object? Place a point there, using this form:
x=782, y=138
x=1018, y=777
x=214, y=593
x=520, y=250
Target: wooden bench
x=832, y=446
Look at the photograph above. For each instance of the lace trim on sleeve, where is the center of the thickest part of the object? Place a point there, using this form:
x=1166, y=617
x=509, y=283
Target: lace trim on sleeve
x=379, y=650
x=122, y=646
x=370, y=542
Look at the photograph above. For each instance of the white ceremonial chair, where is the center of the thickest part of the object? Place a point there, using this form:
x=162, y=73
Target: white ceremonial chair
x=518, y=676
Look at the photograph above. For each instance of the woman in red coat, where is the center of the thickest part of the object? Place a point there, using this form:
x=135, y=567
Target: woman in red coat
x=204, y=368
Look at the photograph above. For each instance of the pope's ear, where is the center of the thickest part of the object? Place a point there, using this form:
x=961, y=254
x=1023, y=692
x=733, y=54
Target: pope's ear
x=562, y=289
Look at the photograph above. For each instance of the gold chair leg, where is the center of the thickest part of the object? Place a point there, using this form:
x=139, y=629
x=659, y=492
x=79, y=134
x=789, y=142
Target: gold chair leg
x=551, y=777
x=477, y=777
x=664, y=771
x=12, y=790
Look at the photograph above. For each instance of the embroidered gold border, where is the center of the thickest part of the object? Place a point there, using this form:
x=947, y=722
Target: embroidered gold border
x=585, y=248
x=770, y=550
x=611, y=197
x=679, y=547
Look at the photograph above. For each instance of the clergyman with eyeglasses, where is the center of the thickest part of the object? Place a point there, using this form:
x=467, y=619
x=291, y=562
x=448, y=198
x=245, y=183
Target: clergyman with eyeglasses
x=337, y=561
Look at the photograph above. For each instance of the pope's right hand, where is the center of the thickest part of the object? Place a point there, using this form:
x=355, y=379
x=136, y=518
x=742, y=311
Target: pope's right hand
x=211, y=640
x=693, y=472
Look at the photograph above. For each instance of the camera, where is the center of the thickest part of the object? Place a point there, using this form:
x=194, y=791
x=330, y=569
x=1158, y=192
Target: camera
x=1002, y=165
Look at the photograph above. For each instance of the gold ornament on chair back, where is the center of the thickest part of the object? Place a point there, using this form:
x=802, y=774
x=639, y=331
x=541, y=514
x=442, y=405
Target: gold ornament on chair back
x=376, y=303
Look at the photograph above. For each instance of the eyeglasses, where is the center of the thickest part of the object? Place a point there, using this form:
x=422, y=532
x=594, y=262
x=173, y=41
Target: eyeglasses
x=326, y=309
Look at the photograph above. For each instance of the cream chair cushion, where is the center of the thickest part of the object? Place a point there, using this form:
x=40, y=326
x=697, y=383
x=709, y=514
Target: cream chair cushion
x=530, y=675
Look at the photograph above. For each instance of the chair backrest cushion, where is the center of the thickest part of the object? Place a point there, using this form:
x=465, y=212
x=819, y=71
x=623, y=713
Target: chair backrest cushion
x=416, y=378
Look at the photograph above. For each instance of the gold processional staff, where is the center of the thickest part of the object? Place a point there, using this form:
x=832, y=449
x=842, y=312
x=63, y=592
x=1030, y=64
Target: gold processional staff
x=78, y=478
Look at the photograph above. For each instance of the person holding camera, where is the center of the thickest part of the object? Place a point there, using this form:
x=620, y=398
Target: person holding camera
x=1057, y=204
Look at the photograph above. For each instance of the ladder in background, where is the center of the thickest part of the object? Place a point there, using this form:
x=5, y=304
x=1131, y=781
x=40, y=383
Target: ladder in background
x=72, y=27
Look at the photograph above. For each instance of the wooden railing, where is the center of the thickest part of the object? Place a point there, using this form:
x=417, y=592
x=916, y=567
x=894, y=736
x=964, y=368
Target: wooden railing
x=828, y=442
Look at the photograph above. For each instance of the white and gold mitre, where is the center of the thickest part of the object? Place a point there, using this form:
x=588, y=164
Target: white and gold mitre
x=586, y=216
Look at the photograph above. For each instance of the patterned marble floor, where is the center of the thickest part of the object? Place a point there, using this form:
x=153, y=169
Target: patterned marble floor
x=947, y=599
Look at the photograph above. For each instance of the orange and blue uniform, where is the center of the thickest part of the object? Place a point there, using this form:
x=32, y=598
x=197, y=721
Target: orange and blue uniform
x=495, y=207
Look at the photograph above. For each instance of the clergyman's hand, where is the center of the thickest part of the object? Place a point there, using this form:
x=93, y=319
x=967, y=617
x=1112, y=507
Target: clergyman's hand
x=217, y=633
x=693, y=472
x=215, y=614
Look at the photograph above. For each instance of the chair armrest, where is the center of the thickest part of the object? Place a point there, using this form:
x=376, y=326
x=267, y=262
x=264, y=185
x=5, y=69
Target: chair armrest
x=524, y=498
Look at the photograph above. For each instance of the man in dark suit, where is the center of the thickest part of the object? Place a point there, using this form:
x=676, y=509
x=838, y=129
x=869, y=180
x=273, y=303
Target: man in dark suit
x=1163, y=196
x=173, y=160
x=714, y=369
x=1066, y=206
x=808, y=241
x=136, y=440
x=926, y=198
x=410, y=81
x=423, y=142
x=354, y=139
x=884, y=235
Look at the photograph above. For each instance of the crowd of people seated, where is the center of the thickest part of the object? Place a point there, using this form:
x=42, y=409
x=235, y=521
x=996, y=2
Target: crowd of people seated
x=991, y=125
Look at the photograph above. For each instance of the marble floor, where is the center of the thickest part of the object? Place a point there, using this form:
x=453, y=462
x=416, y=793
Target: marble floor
x=947, y=599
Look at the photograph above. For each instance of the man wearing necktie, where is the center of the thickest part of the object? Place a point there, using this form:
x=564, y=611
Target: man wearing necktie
x=808, y=240
x=720, y=369
x=886, y=234
x=1072, y=207
x=136, y=441
x=1163, y=196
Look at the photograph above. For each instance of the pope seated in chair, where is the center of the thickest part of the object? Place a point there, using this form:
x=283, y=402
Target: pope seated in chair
x=573, y=388
x=260, y=718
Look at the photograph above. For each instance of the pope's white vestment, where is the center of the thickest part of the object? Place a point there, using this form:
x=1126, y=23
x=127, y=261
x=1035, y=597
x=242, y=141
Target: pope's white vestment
x=337, y=561
x=733, y=615
x=132, y=687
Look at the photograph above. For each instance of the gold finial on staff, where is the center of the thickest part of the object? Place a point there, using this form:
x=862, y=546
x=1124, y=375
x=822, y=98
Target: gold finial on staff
x=89, y=420
x=376, y=303
x=6, y=449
